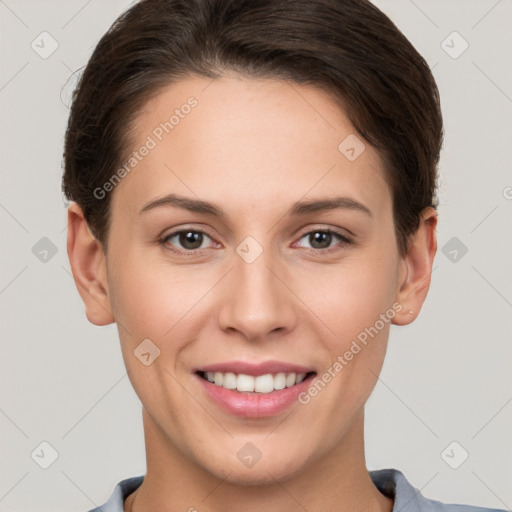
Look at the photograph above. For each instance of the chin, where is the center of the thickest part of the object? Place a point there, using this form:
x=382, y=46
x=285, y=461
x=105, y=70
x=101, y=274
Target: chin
x=261, y=473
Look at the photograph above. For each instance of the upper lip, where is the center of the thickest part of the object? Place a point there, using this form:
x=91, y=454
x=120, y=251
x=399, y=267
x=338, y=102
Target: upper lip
x=255, y=369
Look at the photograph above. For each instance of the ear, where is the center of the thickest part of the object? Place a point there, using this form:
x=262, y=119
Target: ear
x=417, y=268
x=88, y=265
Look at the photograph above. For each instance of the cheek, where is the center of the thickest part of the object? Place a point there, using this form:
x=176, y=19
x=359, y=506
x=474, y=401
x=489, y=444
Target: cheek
x=153, y=301
x=166, y=304
x=356, y=303
x=350, y=297
x=151, y=296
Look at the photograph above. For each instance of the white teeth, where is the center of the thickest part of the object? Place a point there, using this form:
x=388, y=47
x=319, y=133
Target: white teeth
x=280, y=381
x=290, y=379
x=229, y=381
x=261, y=384
x=244, y=382
x=264, y=384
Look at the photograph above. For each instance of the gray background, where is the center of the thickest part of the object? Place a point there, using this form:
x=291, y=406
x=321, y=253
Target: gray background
x=447, y=377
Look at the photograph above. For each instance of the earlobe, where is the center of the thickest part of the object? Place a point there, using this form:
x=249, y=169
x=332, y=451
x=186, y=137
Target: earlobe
x=88, y=265
x=417, y=268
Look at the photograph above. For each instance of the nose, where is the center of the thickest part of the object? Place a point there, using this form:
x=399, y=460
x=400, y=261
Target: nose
x=257, y=300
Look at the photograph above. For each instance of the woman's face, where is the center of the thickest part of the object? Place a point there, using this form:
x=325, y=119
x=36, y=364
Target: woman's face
x=255, y=284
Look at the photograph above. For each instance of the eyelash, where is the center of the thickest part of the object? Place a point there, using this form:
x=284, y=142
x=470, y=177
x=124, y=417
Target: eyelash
x=344, y=241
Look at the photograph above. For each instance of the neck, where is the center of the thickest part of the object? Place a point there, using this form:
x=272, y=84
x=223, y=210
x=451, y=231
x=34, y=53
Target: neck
x=337, y=481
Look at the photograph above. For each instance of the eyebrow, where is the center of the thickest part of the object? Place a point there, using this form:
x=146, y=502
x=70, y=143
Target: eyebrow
x=298, y=209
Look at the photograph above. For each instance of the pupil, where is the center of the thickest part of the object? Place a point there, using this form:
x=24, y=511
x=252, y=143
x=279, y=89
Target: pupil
x=324, y=239
x=191, y=240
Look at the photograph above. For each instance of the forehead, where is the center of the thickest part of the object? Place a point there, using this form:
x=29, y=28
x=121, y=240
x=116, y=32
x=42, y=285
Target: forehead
x=241, y=141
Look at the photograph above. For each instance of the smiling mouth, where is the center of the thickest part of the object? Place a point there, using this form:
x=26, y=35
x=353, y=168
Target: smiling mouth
x=262, y=384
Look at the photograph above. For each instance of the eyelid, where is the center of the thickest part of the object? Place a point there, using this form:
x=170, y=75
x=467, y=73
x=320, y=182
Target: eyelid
x=197, y=228
x=325, y=227
x=346, y=235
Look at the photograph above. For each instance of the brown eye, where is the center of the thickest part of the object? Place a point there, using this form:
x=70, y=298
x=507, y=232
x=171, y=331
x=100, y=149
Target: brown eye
x=187, y=240
x=190, y=239
x=324, y=239
x=320, y=239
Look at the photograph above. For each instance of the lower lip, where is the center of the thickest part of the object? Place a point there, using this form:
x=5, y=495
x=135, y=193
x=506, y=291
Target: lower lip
x=254, y=405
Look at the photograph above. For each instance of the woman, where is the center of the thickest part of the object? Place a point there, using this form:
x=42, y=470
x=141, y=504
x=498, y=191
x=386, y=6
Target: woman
x=253, y=187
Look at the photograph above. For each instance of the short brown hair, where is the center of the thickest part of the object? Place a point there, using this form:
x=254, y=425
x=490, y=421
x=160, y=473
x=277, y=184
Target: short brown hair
x=348, y=48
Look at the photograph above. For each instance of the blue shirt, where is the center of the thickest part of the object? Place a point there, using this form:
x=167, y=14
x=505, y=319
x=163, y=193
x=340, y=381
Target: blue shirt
x=390, y=482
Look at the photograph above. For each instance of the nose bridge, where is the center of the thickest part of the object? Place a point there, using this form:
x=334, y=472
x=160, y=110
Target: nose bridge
x=256, y=302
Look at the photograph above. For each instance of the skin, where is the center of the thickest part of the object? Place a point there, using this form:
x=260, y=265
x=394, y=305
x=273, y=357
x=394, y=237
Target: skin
x=253, y=148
